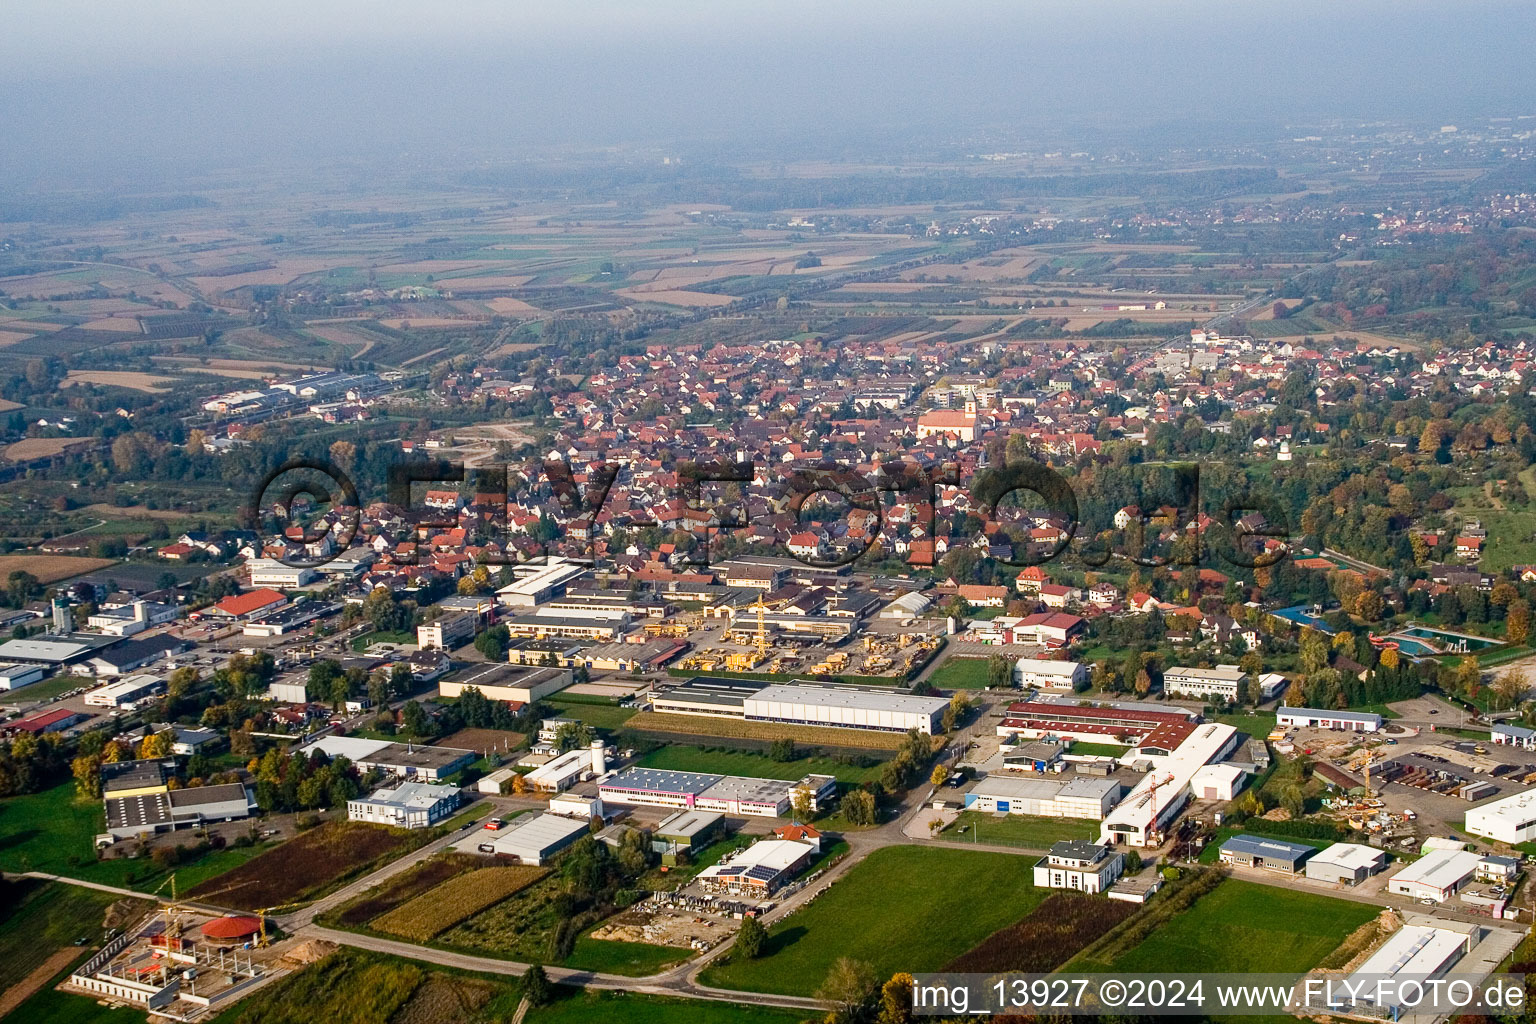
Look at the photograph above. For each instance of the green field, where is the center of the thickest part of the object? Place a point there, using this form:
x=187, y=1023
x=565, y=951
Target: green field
x=43, y=917
x=961, y=674
x=1245, y=927
x=395, y=636
x=46, y=689
x=635, y=959
x=579, y=1006
x=1025, y=830
x=905, y=908
x=754, y=765
x=53, y=832
x=599, y=716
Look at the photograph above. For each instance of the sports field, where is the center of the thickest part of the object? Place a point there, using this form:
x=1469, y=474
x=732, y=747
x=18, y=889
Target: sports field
x=905, y=908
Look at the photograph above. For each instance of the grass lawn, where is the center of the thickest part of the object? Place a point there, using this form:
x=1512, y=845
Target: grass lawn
x=599, y=716
x=387, y=636
x=1018, y=829
x=46, y=688
x=45, y=917
x=1099, y=749
x=582, y=1006
x=962, y=674
x=753, y=765
x=50, y=1007
x=1247, y=927
x=635, y=959
x=905, y=908
x=1259, y=724
x=53, y=832
x=1212, y=852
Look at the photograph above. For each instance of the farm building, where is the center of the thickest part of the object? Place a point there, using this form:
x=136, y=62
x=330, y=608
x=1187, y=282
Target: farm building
x=1271, y=854
x=1349, y=721
x=1048, y=675
x=1435, y=876
x=1079, y=864
x=1349, y=863
x=531, y=839
x=519, y=684
x=760, y=870
x=1510, y=820
x=408, y=805
x=1078, y=798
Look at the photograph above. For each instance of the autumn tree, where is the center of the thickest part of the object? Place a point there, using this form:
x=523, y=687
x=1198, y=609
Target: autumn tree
x=1517, y=621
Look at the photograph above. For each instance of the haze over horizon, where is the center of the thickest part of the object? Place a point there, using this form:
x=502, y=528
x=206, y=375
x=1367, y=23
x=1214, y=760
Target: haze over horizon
x=92, y=94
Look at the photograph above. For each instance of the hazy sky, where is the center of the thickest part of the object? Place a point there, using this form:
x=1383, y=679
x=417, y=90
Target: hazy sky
x=86, y=85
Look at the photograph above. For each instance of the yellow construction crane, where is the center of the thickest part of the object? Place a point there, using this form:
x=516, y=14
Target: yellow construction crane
x=761, y=643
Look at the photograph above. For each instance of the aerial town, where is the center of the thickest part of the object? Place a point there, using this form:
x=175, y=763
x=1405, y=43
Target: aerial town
x=622, y=580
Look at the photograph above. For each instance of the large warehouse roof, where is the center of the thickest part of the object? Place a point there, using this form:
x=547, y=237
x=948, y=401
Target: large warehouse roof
x=848, y=697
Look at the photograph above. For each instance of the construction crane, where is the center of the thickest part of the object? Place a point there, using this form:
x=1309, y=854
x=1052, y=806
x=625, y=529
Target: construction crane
x=761, y=643
x=1152, y=803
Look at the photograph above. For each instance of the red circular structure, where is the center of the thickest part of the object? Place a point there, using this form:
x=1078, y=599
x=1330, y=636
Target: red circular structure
x=235, y=927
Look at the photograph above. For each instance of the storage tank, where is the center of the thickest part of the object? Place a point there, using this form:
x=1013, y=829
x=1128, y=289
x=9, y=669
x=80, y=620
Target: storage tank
x=599, y=758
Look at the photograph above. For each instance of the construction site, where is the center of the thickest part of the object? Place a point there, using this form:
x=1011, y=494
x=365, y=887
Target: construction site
x=185, y=961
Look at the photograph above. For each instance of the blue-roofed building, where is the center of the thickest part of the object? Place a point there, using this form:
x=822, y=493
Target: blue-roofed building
x=1271, y=854
x=1302, y=615
x=1514, y=736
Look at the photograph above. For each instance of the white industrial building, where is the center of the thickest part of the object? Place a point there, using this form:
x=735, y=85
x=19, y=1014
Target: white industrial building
x=1077, y=798
x=1218, y=782
x=133, y=618
x=846, y=708
x=1148, y=809
x=495, y=783
x=531, y=839
x=125, y=692
x=1049, y=675
x=13, y=676
x=446, y=632
x=1221, y=681
x=568, y=769
x=1349, y=863
x=1509, y=820
x=1411, y=956
x=408, y=805
x=1435, y=876
x=537, y=584
x=1349, y=721
x=1079, y=864
x=1514, y=736
x=760, y=869
x=269, y=572
x=519, y=684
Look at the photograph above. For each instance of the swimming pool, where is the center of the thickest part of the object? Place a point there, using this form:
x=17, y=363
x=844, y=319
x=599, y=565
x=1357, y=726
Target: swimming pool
x=1447, y=639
